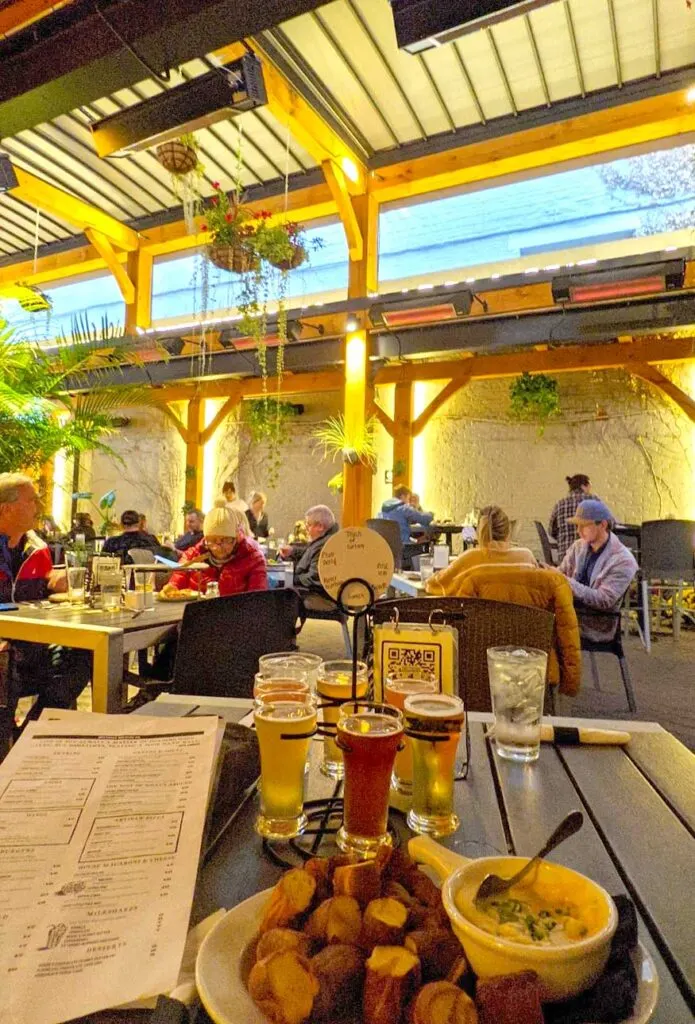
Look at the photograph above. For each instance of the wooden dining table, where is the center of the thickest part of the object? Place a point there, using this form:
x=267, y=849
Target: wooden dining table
x=638, y=835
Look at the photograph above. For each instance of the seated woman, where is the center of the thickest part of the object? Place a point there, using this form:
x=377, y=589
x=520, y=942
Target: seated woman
x=256, y=515
x=494, y=547
x=233, y=558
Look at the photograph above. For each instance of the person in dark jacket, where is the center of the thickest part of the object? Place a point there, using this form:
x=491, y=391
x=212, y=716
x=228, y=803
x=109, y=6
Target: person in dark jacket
x=320, y=524
x=257, y=516
x=132, y=537
x=57, y=674
x=194, y=531
x=399, y=510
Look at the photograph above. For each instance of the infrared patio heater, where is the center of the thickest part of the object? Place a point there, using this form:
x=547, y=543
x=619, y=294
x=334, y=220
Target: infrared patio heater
x=620, y=284
x=225, y=91
x=424, y=24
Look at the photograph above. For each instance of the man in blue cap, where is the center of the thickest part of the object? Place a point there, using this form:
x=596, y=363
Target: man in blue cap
x=598, y=566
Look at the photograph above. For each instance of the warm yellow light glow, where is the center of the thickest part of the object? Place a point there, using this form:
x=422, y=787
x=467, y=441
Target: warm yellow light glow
x=59, y=472
x=355, y=348
x=690, y=94
x=419, y=467
x=350, y=169
x=212, y=407
x=689, y=383
x=355, y=383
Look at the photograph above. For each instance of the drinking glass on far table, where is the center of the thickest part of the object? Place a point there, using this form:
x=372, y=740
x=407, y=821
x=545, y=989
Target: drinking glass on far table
x=334, y=687
x=76, y=583
x=369, y=736
x=434, y=722
x=284, y=728
x=426, y=567
x=517, y=687
x=111, y=583
x=396, y=689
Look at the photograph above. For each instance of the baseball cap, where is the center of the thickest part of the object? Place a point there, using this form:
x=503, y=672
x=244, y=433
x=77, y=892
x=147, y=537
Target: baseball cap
x=592, y=511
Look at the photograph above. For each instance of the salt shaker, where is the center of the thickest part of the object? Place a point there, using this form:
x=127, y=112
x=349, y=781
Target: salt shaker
x=212, y=589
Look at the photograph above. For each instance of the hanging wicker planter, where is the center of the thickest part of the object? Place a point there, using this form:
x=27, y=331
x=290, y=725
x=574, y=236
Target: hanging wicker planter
x=176, y=157
x=35, y=301
x=299, y=256
x=235, y=258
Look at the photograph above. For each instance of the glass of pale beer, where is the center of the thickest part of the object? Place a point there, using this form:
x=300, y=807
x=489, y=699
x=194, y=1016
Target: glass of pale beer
x=284, y=726
x=434, y=722
x=333, y=688
x=396, y=689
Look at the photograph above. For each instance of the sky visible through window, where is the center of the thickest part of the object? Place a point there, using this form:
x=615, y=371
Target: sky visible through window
x=630, y=198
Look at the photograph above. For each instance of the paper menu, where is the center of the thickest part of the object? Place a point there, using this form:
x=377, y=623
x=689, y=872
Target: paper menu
x=101, y=819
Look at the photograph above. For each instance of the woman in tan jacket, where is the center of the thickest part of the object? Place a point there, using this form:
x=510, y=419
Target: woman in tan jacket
x=494, y=548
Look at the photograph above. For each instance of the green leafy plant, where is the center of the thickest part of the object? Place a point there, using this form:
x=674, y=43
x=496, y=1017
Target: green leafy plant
x=45, y=406
x=268, y=421
x=334, y=440
x=535, y=397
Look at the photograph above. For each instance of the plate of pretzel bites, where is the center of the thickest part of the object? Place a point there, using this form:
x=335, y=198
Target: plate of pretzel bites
x=339, y=942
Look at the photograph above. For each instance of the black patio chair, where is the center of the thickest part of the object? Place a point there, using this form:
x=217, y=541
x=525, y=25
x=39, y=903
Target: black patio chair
x=480, y=624
x=667, y=563
x=222, y=639
x=391, y=532
x=548, y=546
x=600, y=633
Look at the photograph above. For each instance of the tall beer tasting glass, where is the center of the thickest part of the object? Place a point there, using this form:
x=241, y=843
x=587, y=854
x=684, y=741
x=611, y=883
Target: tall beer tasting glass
x=369, y=736
x=283, y=758
x=333, y=688
x=434, y=722
x=517, y=687
x=297, y=685
x=396, y=689
x=283, y=662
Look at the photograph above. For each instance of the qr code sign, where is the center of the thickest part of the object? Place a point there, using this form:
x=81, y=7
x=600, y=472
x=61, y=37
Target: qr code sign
x=421, y=661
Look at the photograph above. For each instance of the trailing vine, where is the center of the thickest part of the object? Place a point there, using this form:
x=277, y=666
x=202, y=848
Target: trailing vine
x=535, y=397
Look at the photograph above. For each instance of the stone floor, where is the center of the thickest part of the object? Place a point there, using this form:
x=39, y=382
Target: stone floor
x=664, y=681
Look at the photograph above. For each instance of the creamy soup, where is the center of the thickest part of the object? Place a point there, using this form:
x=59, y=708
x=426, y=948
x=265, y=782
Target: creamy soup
x=526, y=917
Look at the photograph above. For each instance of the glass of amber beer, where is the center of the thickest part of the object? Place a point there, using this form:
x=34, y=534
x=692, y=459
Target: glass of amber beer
x=290, y=685
x=396, y=689
x=334, y=687
x=284, y=726
x=434, y=723
x=369, y=736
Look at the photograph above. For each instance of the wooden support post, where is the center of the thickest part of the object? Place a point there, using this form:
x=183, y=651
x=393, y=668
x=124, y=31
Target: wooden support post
x=437, y=402
x=403, y=438
x=194, y=452
x=138, y=313
x=103, y=246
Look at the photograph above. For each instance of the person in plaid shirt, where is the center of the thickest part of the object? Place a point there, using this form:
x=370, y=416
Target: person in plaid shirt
x=560, y=528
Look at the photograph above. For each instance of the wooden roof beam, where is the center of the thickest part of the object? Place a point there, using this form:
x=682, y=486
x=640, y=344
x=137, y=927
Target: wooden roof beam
x=103, y=246
x=36, y=192
x=586, y=138
x=657, y=379
x=565, y=359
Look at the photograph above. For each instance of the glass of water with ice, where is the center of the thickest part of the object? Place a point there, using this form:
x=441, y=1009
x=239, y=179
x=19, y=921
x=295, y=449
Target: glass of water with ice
x=517, y=686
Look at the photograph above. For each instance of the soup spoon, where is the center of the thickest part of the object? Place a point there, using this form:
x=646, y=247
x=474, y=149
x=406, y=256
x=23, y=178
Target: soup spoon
x=493, y=885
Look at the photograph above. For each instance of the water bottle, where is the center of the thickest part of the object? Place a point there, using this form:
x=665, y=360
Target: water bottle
x=212, y=589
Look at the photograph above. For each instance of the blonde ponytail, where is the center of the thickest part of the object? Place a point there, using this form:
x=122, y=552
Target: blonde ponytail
x=493, y=524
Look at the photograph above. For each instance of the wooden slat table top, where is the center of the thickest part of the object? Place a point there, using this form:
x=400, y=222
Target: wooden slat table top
x=64, y=614
x=637, y=836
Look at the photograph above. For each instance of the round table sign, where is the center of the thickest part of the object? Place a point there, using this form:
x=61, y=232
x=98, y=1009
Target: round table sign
x=355, y=554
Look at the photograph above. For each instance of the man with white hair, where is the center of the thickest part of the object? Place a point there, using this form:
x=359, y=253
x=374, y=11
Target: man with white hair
x=320, y=525
x=57, y=674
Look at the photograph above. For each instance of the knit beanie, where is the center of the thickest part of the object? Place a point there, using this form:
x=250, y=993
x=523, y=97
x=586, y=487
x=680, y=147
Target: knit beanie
x=223, y=521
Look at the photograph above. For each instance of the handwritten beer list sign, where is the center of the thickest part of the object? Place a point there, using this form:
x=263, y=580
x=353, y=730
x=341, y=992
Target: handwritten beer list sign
x=360, y=555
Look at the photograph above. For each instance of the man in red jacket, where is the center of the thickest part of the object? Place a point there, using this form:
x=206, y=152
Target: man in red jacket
x=57, y=674
x=234, y=560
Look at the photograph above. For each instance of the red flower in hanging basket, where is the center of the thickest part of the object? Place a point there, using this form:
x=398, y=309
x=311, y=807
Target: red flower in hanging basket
x=214, y=200
x=215, y=184
x=228, y=216
x=203, y=227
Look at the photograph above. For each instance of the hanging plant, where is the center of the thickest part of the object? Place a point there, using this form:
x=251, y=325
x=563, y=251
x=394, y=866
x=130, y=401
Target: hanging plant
x=283, y=245
x=232, y=233
x=33, y=300
x=333, y=438
x=268, y=422
x=535, y=397
x=181, y=159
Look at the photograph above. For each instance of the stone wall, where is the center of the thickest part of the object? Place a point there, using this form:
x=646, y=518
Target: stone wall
x=151, y=477
x=637, y=448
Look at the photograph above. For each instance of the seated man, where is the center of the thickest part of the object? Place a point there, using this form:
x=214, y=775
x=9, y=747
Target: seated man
x=234, y=560
x=598, y=566
x=400, y=510
x=320, y=525
x=132, y=537
x=194, y=531
x=57, y=674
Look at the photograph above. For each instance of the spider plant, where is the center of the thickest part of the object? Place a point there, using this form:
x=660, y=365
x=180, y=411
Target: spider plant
x=334, y=441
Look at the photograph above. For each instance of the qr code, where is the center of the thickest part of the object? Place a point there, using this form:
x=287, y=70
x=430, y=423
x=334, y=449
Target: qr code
x=421, y=661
